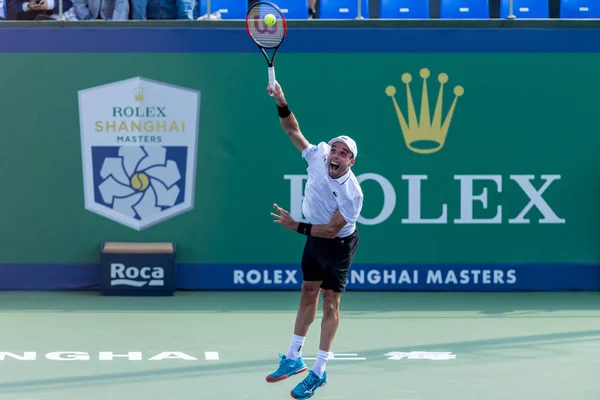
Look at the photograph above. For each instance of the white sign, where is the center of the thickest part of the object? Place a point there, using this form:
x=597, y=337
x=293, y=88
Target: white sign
x=139, y=149
x=105, y=356
x=264, y=277
x=130, y=276
x=463, y=212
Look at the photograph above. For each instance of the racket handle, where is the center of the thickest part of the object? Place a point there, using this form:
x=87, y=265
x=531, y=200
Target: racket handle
x=272, y=78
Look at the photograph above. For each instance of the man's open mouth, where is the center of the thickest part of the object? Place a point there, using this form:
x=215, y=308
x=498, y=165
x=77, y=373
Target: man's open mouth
x=334, y=165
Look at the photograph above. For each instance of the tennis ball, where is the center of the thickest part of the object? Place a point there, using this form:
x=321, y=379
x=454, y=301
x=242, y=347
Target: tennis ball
x=270, y=19
x=139, y=181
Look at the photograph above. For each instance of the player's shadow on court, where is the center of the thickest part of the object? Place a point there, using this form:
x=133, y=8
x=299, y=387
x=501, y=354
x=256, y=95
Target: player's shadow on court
x=481, y=352
x=372, y=304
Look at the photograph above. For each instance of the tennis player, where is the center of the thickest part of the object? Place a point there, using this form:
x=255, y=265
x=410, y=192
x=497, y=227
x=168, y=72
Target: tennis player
x=332, y=204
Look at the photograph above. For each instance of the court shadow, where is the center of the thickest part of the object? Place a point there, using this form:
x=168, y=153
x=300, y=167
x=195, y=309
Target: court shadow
x=481, y=352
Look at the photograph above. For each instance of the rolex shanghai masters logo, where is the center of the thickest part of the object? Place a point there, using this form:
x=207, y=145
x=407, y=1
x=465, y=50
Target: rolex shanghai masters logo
x=139, y=142
x=425, y=133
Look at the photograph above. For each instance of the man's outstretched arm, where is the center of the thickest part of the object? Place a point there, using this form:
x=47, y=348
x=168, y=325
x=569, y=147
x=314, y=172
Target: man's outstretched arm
x=328, y=230
x=287, y=119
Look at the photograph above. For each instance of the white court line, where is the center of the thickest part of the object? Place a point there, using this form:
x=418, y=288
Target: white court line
x=346, y=357
x=211, y=355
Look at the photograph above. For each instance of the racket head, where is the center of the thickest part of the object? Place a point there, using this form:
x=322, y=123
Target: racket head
x=265, y=36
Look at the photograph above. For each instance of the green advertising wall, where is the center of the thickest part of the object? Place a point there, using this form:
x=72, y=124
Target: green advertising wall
x=507, y=173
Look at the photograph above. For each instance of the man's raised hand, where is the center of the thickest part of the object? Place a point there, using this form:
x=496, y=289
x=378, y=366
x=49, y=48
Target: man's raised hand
x=277, y=93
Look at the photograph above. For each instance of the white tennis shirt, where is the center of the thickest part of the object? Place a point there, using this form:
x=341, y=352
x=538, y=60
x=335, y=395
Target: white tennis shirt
x=323, y=195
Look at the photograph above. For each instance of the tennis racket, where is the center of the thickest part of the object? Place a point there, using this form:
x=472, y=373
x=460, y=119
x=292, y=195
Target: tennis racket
x=266, y=37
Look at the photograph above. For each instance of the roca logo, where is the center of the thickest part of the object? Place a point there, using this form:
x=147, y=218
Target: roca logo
x=136, y=276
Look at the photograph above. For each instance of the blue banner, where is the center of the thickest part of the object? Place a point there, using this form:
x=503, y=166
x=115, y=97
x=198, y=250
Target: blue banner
x=299, y=40
x=382, y=277
x=363, y=277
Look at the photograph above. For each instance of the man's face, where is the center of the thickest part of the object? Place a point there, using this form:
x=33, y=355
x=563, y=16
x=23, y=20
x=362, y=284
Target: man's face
x=340, y=160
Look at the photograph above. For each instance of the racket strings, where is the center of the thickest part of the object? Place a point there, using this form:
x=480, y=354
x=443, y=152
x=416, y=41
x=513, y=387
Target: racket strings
x=265, y=35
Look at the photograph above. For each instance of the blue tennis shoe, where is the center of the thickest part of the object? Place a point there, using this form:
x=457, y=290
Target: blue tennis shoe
x=287, y=368
x=309, y=385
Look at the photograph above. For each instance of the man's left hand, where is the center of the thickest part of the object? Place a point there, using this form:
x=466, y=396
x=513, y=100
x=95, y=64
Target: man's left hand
x=284, y=218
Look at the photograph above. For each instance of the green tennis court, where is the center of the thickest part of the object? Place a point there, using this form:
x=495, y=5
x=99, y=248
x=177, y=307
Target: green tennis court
x=221, y=346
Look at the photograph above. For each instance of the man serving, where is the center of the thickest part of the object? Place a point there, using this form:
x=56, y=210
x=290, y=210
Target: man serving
x=332, y=203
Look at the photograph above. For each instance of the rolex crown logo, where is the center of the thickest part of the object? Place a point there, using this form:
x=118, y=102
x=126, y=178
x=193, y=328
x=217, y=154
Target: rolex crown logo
x=139, y=93
x=424, y=135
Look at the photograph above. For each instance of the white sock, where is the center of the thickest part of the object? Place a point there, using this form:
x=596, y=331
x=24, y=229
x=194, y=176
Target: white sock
x=319, y=367
x=295, y=349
